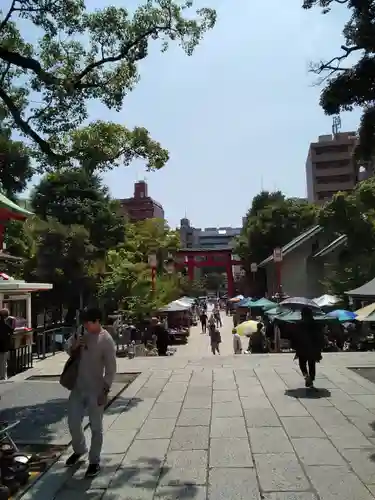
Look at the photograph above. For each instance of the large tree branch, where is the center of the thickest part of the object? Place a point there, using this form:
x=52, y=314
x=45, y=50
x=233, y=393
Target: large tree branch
x=334, y=64
x=25, y=127
x=4, y=22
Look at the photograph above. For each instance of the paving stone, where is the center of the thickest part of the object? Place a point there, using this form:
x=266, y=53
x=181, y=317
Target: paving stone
x=280, y=472
x=251, y=390
x=318, y=402
x=230, y=452
x=250, y=402
x=317, y=451
x=366, y=400
x=194, y=417
x=269, y=440
x=181, y=492
x=109, y=464
x=362, y=462
x=171, y=397
x=180, y=387
x=145, y=450
x=365, y=425
x=347, y=442
x=185, y=467
x=301, y=427
x=342, y=430
x=134, y=416
x=198, y=381
x=133, y=483
x=117, y=441
x=224, y=385
x=194, y=402
x=290, y=409
x=228, y=409
x=180, y=377
x=194, y=391
x=233, y=484
x=77, y=495
x=149, y=392
x=157, y=428
x=262, y=417
x=166, y=410
x=334, y=483
x=228, y=427
x=351, y=408
x=328, y=416
x=225, y=396
x=190, y=438
x=289, y=495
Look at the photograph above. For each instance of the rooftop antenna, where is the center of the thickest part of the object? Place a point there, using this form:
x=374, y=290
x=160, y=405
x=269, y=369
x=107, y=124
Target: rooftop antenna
x=336, y=125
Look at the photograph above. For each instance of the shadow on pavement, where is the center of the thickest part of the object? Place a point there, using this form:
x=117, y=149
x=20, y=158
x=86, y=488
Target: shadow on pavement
x=46, y=422
x=143, y=474
x=304, y=393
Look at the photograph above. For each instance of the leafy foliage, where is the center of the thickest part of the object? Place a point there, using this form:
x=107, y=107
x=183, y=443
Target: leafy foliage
x=350, y=76
x=128, y=278
x=83, y=56
x=15, y=167
x=76, y=197
x=352, y=214
x=272, y=221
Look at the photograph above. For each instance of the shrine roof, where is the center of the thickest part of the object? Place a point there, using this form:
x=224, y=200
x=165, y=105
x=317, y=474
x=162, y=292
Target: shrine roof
x=13, y=208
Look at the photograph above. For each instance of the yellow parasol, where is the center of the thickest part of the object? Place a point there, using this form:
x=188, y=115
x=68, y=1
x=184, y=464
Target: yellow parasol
x=365, y=311
x=247, y=328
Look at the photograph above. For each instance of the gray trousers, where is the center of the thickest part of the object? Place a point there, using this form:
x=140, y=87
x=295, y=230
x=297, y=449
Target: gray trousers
x=79, y=402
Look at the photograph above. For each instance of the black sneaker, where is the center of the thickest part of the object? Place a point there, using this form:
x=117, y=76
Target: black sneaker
x=92, y=470
x=309, y=382
x=73, y=459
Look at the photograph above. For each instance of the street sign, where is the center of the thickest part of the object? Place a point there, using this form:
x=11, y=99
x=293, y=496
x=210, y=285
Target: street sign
x=253, y=267
x=277, y=255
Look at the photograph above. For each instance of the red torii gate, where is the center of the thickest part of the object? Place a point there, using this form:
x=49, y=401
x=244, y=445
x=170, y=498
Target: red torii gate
x=214, y=257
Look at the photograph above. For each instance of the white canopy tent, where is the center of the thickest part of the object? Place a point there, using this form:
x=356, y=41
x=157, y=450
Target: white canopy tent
x=12, y=290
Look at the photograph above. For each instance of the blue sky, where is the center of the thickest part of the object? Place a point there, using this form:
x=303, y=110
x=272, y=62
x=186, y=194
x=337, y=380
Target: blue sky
x=237, y=115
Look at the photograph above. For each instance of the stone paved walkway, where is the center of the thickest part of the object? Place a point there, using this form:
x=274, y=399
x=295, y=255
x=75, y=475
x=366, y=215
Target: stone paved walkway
x=199, y=427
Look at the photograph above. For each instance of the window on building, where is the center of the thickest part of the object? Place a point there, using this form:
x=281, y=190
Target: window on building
x=342, y=148
x=324, y=165
x=333, y=179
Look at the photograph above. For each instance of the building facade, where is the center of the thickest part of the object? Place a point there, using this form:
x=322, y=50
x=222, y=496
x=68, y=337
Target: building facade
x=330, y=166
x=141, y=206
x=207, y=238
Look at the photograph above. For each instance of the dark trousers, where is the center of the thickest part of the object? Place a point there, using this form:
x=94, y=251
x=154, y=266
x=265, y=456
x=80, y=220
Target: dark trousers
x=204, y=326
x=307, y=367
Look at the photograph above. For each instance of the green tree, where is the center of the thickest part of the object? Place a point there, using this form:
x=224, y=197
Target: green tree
x=15, y=167
x=349, y=76
x=352, y=214
x=272, y=221
x=76, y=197
x=127, y=282
x=82, y=56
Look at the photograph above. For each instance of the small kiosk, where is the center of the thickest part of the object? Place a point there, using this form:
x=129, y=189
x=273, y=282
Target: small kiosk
x=15, y=295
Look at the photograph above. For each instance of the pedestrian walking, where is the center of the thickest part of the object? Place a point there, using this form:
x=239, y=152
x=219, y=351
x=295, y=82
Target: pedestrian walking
x=215, y=339
x=308, y=343
x=96, y=372
x=6, y=332
x=162, y=336
x=203, y=319
x=237, y=342
x=218, y=318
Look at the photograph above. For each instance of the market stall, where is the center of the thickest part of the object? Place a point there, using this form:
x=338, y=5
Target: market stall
x=178, y=320
x=15, y=295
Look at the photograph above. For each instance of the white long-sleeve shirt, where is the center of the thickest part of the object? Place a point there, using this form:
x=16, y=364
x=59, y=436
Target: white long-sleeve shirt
x=98, y=365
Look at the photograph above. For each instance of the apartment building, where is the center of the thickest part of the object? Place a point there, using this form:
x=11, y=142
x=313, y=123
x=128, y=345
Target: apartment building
x=141, y=206
x=207, y=238
x=330, y=166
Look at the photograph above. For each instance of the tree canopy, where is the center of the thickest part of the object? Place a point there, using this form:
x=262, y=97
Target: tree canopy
x=127, y=281
x=272, y=221
x=81, y=56
x=349, y=76
x=352, y=214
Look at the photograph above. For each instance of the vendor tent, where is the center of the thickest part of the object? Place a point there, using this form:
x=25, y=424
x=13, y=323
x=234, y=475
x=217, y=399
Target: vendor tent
x=364, y=312
x=174, y=307
x=366, y=291
x=263, y=304
x=327, y=300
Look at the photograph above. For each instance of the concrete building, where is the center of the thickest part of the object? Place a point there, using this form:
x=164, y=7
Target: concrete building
x=306, y=261
x=330, y=166
x=209, y=237
x=141, y=206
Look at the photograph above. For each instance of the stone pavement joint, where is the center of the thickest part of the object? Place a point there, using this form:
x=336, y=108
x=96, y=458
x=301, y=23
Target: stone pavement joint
x=232, y=428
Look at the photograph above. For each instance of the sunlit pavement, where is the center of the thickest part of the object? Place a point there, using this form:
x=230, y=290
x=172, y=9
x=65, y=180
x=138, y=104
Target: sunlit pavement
x=198, y=426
